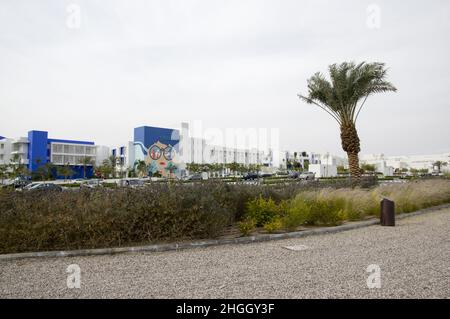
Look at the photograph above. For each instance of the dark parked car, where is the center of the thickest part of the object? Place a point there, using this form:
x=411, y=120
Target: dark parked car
x=251, y=176
x=21, y=183
x=45, y=187
x=294, y=174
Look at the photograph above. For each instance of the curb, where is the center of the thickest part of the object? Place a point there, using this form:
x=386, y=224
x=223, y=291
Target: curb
x=212, y=242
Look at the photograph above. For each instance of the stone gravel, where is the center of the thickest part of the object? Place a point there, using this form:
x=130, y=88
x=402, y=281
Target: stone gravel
x=414, y=258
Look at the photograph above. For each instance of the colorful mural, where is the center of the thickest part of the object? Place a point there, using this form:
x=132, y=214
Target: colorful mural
x=158, y=147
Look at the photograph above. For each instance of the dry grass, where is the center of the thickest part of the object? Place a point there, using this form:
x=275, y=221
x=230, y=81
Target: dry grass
x=334, y=206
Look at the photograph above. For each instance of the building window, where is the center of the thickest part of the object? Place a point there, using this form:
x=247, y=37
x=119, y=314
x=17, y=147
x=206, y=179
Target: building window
x=57, y=148
x=90, y=150
x=79, y=150
x=69, y=149
x=2, y=146
x=57, y=159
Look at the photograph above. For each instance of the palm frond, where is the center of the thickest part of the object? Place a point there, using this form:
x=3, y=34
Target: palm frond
x=349, y=84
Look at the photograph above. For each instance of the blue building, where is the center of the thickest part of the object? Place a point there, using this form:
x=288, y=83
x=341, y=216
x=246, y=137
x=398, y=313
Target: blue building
x=37, y=149
x=159, y=148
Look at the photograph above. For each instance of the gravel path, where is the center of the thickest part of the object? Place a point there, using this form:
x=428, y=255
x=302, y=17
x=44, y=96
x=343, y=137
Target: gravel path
x=414, y=258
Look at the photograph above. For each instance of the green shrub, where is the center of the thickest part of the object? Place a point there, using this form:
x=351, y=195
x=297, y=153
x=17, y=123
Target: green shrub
x=297, y=213
x=273, y=226
x=325, y=211
x=262, y=210
x=247, y=226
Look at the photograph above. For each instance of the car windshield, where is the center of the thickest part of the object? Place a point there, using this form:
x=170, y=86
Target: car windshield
x=31, y=185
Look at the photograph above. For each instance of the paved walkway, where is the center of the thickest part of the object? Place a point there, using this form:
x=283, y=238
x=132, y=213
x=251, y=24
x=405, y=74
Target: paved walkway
x=414, y=259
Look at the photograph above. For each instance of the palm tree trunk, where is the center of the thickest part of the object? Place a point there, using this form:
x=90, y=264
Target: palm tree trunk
x=353, y=163
x=350, y=144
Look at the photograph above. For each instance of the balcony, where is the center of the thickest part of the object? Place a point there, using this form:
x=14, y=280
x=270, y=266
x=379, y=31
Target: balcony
x=20, y=140
x=22, y=161
x=20, y=151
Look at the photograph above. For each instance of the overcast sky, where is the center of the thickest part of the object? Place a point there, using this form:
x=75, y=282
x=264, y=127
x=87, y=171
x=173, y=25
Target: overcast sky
x=229, y=63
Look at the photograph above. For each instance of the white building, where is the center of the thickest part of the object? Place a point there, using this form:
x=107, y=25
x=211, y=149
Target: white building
x=125, y=157
x=102, y=153
x=323, y=170
x=198, y=150
x=408, y=162
x=14, y=148
x=288, y=158
x=190, y=150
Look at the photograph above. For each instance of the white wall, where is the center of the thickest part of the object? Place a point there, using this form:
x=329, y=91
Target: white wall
x=102, y=153
x=5, y=151
x=323, y=170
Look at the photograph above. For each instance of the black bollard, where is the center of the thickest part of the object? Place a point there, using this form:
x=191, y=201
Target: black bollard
x=387, y=216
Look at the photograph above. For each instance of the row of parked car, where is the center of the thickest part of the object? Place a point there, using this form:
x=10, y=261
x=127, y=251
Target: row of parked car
x=292, y=174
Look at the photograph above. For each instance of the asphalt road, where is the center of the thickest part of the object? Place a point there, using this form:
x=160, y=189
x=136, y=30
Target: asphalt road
x=414, y=261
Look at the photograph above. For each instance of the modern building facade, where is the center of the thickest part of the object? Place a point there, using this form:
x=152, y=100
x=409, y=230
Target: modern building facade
x=37, y=150
x=166, y=151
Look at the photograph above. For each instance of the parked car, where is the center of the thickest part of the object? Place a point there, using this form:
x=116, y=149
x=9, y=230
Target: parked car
x=31, y=185
x=307, y=176
x=93, y=183
x=194, y=177
x=20, y=184
x=45, y=187
x=133, y=183
x=250, y=176
x=294, y=174
x=265, y=175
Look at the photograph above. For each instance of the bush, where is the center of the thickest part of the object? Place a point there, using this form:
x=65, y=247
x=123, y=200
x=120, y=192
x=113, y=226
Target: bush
x=247, y=226
x=34, y=221
x=326, y=211
x=262, y=211
x=105, y=217
x=273, y=226
x=297, y=213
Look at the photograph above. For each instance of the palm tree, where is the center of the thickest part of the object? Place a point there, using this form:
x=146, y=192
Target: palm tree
x=350, y=84
x=439, y=165
x=105, y=170
x=65, y=171
x=141, y=167
x=49, y=169
x=113, y=163
x=86, y=161
x=3, y=172
x=17, y=168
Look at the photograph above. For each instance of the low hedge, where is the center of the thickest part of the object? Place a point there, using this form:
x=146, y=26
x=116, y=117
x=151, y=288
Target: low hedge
x=114, y=217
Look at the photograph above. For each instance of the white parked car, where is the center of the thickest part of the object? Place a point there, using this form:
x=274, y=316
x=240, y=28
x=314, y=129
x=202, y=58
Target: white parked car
x=307, y=176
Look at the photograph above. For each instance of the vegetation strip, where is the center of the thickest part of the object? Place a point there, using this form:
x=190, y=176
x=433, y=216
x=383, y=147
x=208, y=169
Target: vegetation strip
x=209, y=243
